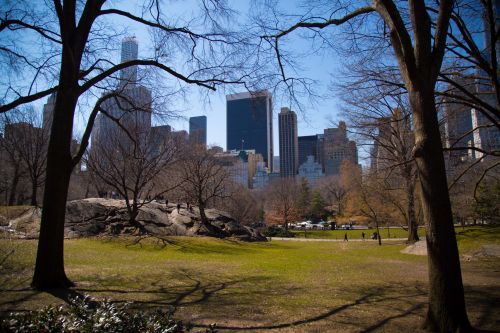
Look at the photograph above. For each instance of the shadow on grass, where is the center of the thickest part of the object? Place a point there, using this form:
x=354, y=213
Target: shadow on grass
x=193, y=291
x=373, y=309
x=369, y=297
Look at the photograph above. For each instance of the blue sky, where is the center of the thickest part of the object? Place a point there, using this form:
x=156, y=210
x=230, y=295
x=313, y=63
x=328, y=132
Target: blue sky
x=315, y=118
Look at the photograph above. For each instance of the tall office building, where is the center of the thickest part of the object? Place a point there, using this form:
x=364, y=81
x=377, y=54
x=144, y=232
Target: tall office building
x=487, y=136
x=337, y=148
x=289, y=145
x=198, y=130
x=310, y=145
x=48, y=112
x=458, y=125
x=132, y=107
x=394, y=138
x=130, y=51
x=250, y=123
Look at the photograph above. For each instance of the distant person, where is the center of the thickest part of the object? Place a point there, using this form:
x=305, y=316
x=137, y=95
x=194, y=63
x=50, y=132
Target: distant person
x=166, y=203
x=363, y=235
x=345, y=237
x=178, y=207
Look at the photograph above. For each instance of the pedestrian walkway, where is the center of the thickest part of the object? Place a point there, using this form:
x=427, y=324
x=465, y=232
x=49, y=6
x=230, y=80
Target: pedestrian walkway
x=297, y=239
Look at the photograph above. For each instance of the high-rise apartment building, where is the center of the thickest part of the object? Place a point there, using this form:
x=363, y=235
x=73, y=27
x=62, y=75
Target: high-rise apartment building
x=288, y=143
x=337, y=148
x=198, y=130
x=250, y=123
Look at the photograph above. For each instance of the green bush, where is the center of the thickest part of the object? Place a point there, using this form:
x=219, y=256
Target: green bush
x=83, y=314
x=275, y=231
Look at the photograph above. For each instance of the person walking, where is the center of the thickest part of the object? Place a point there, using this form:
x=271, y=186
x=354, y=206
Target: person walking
x=178, y=207
x=345, y=237
x=363, y=235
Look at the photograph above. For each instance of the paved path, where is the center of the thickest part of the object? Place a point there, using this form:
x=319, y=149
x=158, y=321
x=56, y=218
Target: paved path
x=297, y=239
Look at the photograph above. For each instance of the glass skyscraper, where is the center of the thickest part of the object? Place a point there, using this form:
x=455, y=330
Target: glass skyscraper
x=198, y=130
x=289, y=146
x=250, y=123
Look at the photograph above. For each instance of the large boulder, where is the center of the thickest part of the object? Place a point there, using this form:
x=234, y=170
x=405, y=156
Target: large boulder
x=94, y=217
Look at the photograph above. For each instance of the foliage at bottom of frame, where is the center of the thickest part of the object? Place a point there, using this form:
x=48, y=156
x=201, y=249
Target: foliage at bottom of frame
x=84, y=314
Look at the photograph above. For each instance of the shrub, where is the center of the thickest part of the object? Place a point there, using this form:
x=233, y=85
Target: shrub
x=275, y=231
x=84, y=314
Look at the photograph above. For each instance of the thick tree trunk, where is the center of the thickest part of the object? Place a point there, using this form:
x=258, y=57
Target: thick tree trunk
x=410, y=210
x=203, y=216
x=446, y=312
x=49, y=267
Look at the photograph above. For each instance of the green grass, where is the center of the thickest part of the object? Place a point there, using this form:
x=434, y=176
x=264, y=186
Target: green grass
x=302, y=286
x=354, y=234
x=473, y=237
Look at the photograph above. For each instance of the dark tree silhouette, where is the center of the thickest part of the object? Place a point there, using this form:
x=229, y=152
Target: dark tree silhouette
x=418, y=39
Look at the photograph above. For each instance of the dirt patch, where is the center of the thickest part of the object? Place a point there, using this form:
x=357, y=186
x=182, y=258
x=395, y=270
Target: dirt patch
x=419, y=248
x=487, y=250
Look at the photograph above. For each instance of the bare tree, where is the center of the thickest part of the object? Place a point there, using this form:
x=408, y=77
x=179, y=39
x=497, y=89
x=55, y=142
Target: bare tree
x=281, y=200
x=12, y=169
x=337, y=192
x=64, y=47
x=244, y=205
x=133, y=165
x=382, y=120
x=26, y=142
x=203, y=179
x=418, y=39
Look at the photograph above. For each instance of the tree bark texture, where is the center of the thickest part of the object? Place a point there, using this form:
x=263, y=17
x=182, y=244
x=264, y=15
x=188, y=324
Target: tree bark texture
x=49, y=267
x=410, y=210
x=446, y=312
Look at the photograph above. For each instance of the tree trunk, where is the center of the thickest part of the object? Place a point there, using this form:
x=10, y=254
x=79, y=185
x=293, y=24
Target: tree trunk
x=13, y=187
x=49, y=267
x=34, y=190
x=410, y=210
x=378, y=232
x=446, y=312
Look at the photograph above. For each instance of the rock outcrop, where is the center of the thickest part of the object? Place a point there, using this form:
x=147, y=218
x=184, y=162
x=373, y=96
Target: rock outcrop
x=93, y=217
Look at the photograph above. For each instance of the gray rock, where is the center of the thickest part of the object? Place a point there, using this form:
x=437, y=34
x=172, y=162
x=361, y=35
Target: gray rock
x=92, y=217
x=95, y=217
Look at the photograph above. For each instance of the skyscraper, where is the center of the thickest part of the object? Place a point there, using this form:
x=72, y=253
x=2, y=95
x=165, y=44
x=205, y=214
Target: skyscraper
x=198, y=130
x=487, y=136
x=48, y=112
x=289, y=145
x=337, y=148
x=310, y=145
x=250, y=123
x=130, y=51
x=131, y=107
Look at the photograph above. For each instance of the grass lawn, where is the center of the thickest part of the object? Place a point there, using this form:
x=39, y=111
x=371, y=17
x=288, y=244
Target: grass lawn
x=279, y=286
x=355, y=234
